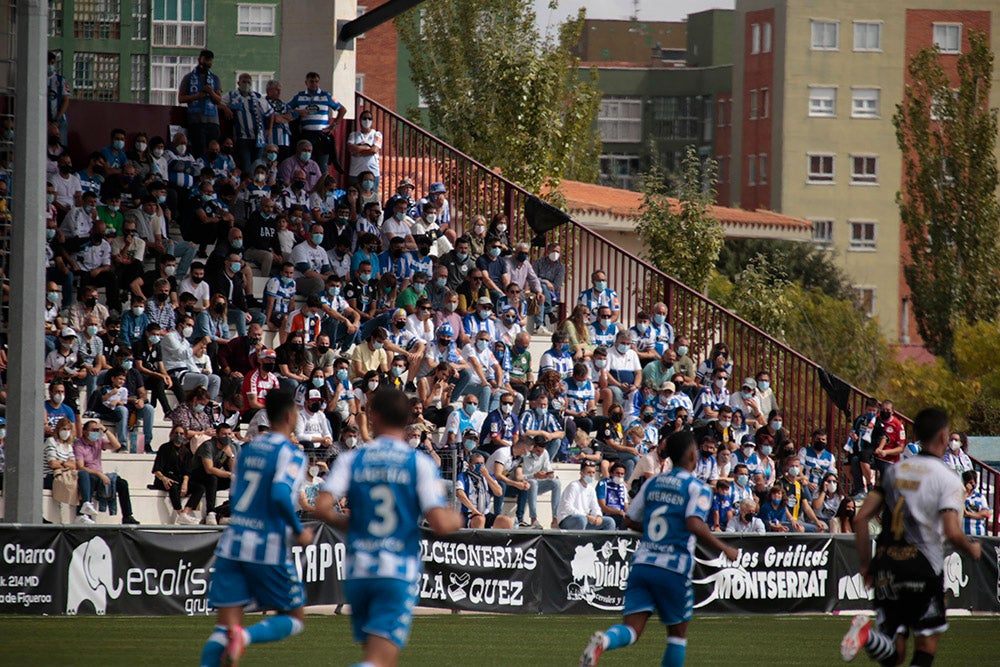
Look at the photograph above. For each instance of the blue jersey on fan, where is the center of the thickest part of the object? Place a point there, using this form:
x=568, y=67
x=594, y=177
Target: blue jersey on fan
x=388, y=486
x=663, y=507
x=265, y=488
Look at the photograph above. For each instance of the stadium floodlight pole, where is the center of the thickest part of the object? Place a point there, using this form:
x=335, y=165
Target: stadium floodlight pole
x=374, y=18
x=26, y=386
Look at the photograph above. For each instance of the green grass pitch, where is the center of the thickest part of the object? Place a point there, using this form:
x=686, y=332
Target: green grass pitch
x=467, y=640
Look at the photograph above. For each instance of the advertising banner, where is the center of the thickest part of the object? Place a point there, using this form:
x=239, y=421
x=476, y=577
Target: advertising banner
x=105, y=570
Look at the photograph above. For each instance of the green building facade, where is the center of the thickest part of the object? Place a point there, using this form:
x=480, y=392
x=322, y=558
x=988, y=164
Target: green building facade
x=138, y=50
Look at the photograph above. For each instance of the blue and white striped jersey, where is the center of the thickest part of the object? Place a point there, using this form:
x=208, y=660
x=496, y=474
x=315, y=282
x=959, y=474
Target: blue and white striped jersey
x=975, y=503
x=266, y=481
x=663, y=506
x=389, y=486
x=314, y=109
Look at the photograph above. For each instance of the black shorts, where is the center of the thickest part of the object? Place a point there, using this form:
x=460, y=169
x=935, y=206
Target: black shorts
x=866, y=456
x=909, y=605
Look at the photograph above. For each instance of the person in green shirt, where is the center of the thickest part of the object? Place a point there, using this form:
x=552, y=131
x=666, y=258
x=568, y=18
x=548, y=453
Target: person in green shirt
x=111, y=213
x=407, y=299
x=521, y=377
x=684, y=364
x=659, y=370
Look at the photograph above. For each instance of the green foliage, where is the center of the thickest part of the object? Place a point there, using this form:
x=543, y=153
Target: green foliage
x=948, y=205
x=683, y=243
x=760, y=295
x=913, y=386
x=498, y=90
x=803, y=263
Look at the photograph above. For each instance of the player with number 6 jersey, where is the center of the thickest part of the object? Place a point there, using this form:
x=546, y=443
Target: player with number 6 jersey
x=388, y=486
x=670, y=510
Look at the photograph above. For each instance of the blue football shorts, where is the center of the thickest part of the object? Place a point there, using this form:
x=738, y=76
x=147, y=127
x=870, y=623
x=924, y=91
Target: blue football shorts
x=669, y=594
x=236, y=584
x=381, y=607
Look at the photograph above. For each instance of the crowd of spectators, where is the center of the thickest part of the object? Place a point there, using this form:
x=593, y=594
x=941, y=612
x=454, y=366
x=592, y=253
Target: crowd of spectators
x=154, y=248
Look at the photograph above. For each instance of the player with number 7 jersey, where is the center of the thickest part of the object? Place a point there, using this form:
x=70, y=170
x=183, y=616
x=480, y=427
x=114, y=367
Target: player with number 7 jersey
x=388, y=486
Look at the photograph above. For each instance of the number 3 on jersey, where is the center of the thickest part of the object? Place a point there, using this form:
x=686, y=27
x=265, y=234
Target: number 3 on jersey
x=384, y=509
x=658, y=526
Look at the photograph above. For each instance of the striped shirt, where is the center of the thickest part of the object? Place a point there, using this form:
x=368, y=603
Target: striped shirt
x=594, y=300
x=709, y=399
x=282, y=293
x=281, y=135
x=579, y=394
x=249, y=112
x=976, y=502
x=314, y=109
x=56, y=451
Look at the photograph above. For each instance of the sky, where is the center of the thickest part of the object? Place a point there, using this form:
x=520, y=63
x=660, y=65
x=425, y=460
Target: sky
x=649, y=10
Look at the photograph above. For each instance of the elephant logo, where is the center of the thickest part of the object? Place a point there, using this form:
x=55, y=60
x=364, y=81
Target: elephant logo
x=91, y=577
x=954, y=578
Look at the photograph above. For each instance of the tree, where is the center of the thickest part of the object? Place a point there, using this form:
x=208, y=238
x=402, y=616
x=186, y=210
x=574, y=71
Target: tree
x=498, y=90
x=681, y=238
x=803, y=263
x=948, y=205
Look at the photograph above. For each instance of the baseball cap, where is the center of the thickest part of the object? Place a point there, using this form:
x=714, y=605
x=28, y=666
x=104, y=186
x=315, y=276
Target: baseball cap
x=668, y=385
x=438, y=187
x=314, y=393
x=749, y=382
x=445, y=330
x=67, y=332
x=484, y=301
x=268, y=354
x=406, y=182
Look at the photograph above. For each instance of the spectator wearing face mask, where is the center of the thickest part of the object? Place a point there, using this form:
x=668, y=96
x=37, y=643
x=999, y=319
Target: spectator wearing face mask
x=259, y=381
x=774, y=430
x=475, y=490
x=211, y=471
x=501, y=427
x=748, y=401
x=600, y=295
x=775, y=515
x=170, y=470
x=612, y=495
x=624, y=370
x=745, y=520
x=827, y=500
x=816, y=460
x=56, y=408
x=551, y=273
x=613, y=444
x=712, y=396
x=578, y=507
x=765, y=394
x=802, y=516
x=313, y=428
x=957, y=457
x=178, y=358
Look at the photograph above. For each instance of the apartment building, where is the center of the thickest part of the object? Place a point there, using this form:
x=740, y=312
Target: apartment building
x=815, y=85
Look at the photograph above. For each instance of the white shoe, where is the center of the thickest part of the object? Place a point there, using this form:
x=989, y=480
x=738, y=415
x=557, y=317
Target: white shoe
x=856, y=638
x=84, y=519
x=210, y=519
x=595, y=647
x=89, y=509
x=186, y=520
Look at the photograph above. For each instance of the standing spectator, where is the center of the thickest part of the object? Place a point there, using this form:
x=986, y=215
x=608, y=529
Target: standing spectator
x=364, y=147
x=578, y=507
x=59, y=96
x=281, y=116
x=957, y=457
x=552, y=274
x=170, y=469
x=87, y=452
x=252, y=122
x=889, y=437
x=201, y=91
x=315, y=108
x=977, y=509
x=861, y=447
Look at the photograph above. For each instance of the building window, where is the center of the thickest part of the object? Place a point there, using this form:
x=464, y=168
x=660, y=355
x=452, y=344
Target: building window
x=751, y=170
x=762, y=168
x=765, y=103
x=822, y=101
x=95, y=76
x=823, y=232
x=140, y=20
x=620, y=120
x=862, y=236
x=55, y=18
x=678, y=117
x=765, y=39
x=721, y=112
x=255, y=19
x=864, y=169
x=179, y=23
x=865, y=102
x=97, y=19
x=362, y=10
x=621, y=171
x=820, y=168
x=359, y=83
x=755, y=38
x=866, y=299
x=867, y=36
x=752, y=106
x=948, y=37
x=825, y=35
x=140, y=78
x=165, y=77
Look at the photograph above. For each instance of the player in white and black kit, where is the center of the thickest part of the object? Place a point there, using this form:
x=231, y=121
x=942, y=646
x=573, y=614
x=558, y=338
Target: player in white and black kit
x=921, y=502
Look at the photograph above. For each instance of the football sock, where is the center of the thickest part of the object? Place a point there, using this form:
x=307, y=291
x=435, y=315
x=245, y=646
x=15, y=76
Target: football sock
x=922, y=659
x=211, y=653
x=273, y=628
x=676, y=650
x=618, y=636
x=880, y=647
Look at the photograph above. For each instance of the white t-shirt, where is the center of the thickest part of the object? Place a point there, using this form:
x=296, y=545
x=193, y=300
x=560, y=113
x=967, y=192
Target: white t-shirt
x=315, y=257
x=201, y=291
x=365, y=162
x=66, y=188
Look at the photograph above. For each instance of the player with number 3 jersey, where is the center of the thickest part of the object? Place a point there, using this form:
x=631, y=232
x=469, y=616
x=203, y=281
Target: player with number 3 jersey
x=921, y=501
x=253, y=562
x=670, y=510
x=388, y=486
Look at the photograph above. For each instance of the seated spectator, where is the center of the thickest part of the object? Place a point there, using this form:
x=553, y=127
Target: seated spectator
x=558, y=357
x=398, y=225
x=603, y=331
x=486, y=375
x=797, y=500
x=312, y=429
x=494, y=269
x=501, y=428
x=128, y=250
x=707, y=468
x=536, y=469
x=826, y=502
x=63, y=364
x=59, y=456
x=505, y=467
x=612, y=495
x=261, y=239
x=90, y=354
x=957, y=457
x=613, y=444
x=78, y=223
x=475, y=491
x=312, y=265
x=578, y=507
x=213, y=324
x=107, y=487
x=722, y=506
x=170, y=470
x=551, y=274
x=149, y=361
x=370, y=355
x=134, y=320
x=600, y=295
x=624, y=370
x=684, y=364
x=773, y=429
x=279, y=293
x=712, y=396
x=459, y=262
x=747, y=401
x=178, y=359
x=211, y=471
x=658, y=371
x=259, y=381
x=93, y=260
x=816, y=461
x=765, y=394
x=68, y=187
x=746, y=519
x=775, y=515
x=717, y=358
x=580, y=395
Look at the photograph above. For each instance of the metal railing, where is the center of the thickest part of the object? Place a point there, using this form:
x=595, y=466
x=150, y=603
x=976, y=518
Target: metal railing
x=475, y=189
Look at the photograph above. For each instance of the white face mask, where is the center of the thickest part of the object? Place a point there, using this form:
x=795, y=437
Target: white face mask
x=187, y=332
x=724, y=424
x=720, y=383
x=955, y=445
x=413, y=442
x=831, y=488
x=794, y=471
x=506, y=408
x=140, y=146
x=372, y=385
x=618, y=480
x=350, y=442
x=587, y=479
x=313, y=471
x=553, y=257
x=65, y=434
x=181, y=150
